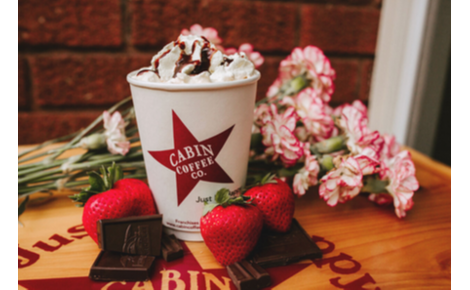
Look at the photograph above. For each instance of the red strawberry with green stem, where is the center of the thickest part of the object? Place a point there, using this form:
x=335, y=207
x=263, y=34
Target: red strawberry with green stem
x=230, y=227
x=275, y=200
x=111, y=196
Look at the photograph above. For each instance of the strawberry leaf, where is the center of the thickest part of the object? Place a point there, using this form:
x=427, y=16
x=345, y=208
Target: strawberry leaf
x=96, y=182
x=222, y=196
x=268, y=178
x=208, y=207
x=106, y=180
x=81, y=197
x=115, y=173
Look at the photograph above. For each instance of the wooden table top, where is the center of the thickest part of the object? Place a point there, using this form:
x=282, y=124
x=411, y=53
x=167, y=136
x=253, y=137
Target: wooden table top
x=365, y=246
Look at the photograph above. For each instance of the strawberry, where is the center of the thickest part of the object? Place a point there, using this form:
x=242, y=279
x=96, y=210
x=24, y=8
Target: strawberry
x=275, y=200
x=230, y=227
x=111, y=197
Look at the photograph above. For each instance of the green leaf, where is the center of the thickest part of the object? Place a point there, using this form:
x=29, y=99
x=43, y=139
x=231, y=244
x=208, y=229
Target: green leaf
x=268, y=178
x=22, y=206
x=96, y=182
x=236, y=200
x=208, y=208
x=222, y=196
x=107, y=184
x=81, y=197
x=115, y=173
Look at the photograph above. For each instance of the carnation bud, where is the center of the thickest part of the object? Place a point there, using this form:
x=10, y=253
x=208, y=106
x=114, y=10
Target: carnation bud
x=326, y=162
x=94, y=141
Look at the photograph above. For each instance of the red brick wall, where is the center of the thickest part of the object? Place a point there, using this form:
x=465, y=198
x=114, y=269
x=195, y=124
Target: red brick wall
x=74, y=54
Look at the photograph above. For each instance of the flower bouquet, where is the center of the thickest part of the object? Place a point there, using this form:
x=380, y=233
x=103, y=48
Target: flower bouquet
x=296, y=135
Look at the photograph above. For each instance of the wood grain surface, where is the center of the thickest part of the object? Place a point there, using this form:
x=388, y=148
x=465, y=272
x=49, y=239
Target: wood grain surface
x=366, y=246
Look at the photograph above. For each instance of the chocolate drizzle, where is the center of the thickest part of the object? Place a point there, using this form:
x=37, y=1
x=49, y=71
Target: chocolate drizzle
x=199, y=65
x=184, y=60
x=157, y=61
x=227, y=61
x=141, y=71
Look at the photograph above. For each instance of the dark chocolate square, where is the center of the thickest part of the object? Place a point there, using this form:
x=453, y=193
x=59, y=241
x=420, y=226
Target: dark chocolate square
x=140, y=235
x=276, y=249
x=247, y=275
x=112, y=266
x=171, y=248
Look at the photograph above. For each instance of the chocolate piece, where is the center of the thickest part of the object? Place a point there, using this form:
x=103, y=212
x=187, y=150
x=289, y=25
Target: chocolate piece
x=247, y=275
x=171, y=248
x=275, y=249
x=111, y=266
x=140, y=235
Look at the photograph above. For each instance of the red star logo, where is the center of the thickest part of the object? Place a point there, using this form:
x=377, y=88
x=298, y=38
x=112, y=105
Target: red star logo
x=193, y=160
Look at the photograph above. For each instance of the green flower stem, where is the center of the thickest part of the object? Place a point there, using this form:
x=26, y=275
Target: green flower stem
x=292, y=87
x=131, y=131
x=98, y=163
x=37, y=175
x=331, y=145
x=41, y=167
x=136, y=176
x=79, y=166
x=291, y=171
x=136, y=164
x=106, y=155
x=33, y=157
x=44, y=188
x=27, y=166
x=47, y=143
x=37, y=188
x=52, y=177
x=374, y=185
x=70, y=184
x=134, y=140
x=87, y=129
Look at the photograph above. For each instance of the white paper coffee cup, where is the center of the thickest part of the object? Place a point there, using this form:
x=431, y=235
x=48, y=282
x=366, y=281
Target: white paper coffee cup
x=195, y=140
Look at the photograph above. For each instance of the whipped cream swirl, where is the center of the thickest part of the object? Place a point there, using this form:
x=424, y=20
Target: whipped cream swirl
x=194, y=59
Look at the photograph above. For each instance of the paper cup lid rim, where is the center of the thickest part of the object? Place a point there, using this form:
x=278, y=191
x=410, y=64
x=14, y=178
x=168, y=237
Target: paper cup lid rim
x=192, y=87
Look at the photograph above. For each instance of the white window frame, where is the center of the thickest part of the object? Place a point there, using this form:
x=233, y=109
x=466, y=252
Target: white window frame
x=409, y=70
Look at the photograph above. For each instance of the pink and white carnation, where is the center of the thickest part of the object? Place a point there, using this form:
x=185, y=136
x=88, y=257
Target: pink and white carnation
x=256, y=58
x=312, y=111
x=390, y=148
x=315, y=65
x=358, y=135
x=381, y=198
x=210, y=33
x=356, y=104
x=274, y=89
x=262, y=115
x=400, y=171
x=308, y=175
x=279, y=139
x=115, y=133
x=368, y=161
x=343, y=183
